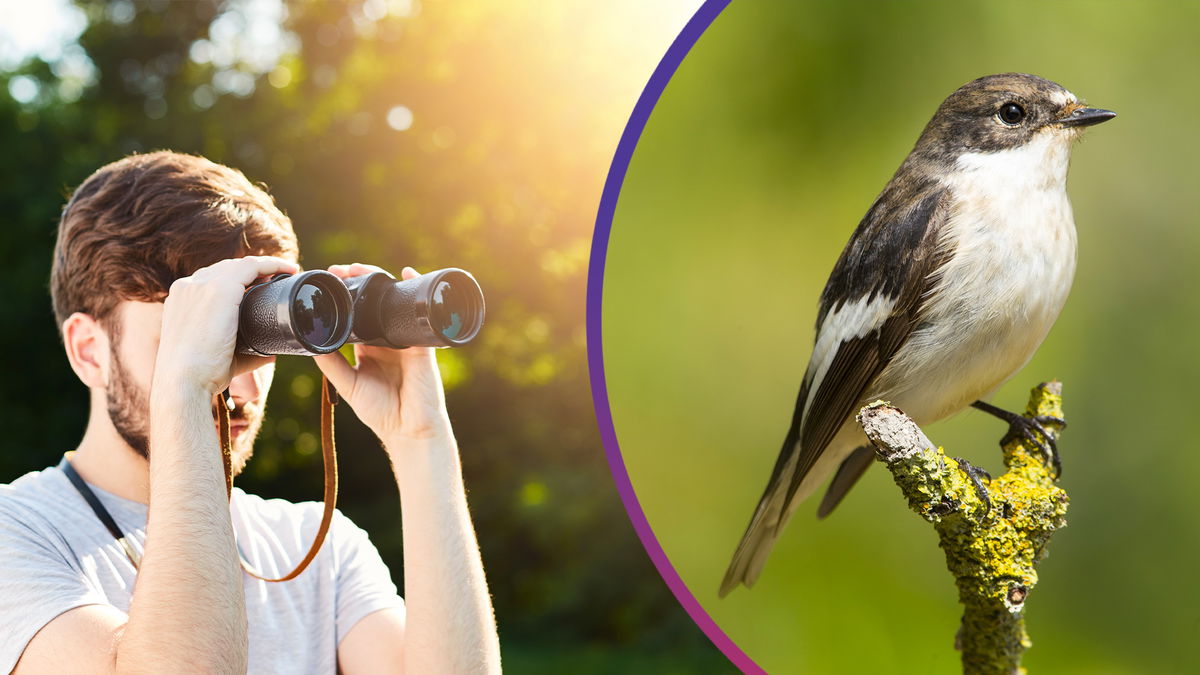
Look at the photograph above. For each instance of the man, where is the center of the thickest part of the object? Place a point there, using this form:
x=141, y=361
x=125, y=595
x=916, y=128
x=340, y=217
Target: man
x=152, y=258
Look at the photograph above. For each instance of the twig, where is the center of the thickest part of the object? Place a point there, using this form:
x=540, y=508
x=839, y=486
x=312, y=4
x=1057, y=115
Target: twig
x=991, y=549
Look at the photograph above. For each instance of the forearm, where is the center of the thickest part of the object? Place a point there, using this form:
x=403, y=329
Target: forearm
x=188, y=610
x=450, y=625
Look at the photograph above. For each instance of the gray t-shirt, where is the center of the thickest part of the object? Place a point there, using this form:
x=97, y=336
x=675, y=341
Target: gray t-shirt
x=56, y=555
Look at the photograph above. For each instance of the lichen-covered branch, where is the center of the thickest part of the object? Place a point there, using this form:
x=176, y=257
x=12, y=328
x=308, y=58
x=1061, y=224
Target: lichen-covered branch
x=994, y=532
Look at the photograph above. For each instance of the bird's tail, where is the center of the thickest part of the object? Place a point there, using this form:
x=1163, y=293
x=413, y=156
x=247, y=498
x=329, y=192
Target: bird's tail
x=759, y=539
x=776, y=507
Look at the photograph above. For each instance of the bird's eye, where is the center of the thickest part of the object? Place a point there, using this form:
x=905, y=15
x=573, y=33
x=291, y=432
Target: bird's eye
x=1011, y=114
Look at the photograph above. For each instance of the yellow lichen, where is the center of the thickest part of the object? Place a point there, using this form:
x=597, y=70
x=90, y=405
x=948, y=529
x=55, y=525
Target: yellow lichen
x=991, y=551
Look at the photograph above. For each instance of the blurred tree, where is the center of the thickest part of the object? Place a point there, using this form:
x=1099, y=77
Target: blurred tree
x=391, y=134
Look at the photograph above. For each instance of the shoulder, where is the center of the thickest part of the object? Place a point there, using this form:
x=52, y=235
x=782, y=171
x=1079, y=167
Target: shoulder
x=33, y=485
x=43, y=524
x=31, y=497
x=890, y=249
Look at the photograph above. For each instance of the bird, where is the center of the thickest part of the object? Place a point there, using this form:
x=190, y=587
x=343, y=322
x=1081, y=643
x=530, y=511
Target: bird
x=944, y=291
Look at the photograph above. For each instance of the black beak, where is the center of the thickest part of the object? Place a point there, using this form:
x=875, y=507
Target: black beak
x=1086, y=117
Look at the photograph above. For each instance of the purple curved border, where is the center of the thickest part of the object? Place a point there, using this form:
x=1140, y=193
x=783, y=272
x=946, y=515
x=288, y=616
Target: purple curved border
x=595, y=288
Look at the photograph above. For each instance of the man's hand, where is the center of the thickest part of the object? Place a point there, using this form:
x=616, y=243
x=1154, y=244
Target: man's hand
x=396, y=392
x=448, y=625
x=188, y=610
x=200, y=321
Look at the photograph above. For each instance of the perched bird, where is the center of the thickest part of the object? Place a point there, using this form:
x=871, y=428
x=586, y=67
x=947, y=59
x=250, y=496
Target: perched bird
x=944, y=291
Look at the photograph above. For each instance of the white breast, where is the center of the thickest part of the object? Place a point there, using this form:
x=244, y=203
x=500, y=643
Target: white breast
x=1012, y=238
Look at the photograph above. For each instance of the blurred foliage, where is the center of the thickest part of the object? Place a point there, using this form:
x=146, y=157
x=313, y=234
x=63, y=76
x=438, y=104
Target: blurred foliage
x=767, y=147
x=467, y=134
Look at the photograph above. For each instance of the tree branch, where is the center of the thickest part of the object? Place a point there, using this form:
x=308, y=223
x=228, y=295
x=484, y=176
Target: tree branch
x=994, y=533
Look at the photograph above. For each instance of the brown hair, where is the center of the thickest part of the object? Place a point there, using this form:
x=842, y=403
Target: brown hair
x=138, y=224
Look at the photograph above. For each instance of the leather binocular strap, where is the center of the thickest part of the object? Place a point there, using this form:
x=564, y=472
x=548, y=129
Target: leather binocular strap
x=329, y=398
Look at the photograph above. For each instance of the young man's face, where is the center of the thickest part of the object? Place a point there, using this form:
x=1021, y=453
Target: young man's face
x=134, y=349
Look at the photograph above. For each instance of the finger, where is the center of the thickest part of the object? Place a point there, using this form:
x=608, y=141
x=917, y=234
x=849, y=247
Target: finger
x=339, y=271
x=256, y=266
x=359, y=268
x=409, y=273
x=246, y=270
x=354, y=270
x=338, y=370
x=244, y=363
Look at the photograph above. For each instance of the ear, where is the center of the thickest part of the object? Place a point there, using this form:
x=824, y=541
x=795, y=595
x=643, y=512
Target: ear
x=87, y=346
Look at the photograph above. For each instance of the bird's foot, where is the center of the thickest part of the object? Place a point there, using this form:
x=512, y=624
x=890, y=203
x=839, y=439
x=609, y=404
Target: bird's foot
x=1031, y=429
x=974, y=473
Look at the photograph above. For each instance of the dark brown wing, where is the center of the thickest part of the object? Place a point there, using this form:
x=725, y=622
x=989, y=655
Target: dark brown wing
x=893, y=259
x=893, y=256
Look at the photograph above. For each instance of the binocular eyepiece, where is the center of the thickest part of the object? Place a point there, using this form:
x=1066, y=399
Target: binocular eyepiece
x=315, y=312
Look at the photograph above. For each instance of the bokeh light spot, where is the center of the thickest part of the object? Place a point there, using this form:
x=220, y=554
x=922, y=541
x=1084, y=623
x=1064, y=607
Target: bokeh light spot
x=280, y=77
x=533, y=493
x=287, y=428
x=306, y=443
x=400, y=118
x=302, y=386
x=203, y=97
x=121, y=12
x=23, y=89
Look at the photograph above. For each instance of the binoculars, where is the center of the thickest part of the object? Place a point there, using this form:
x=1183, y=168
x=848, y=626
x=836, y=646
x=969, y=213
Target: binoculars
x=315, y=312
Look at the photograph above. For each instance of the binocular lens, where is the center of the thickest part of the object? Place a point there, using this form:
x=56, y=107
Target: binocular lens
x=316, y=314
x=306, y=313
x=445, y=309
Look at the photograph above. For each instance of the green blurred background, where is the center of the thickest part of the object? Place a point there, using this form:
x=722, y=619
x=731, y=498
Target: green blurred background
x=440, y=133
x=768, y=145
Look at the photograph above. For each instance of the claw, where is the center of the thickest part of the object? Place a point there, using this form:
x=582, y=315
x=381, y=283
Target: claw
x=1032, y=430
x=1055, y=459
x=973, y=472
x=1023, y=428
x=1051, y=419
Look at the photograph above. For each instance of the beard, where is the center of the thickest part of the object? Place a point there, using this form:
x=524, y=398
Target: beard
x=129, y=411
x=241, y=447
x=128, y=408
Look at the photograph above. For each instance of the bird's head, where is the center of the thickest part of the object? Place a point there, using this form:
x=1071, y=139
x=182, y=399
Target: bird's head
x=1004, y=112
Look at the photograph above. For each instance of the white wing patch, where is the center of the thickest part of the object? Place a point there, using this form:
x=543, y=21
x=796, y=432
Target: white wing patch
x=845, y=322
